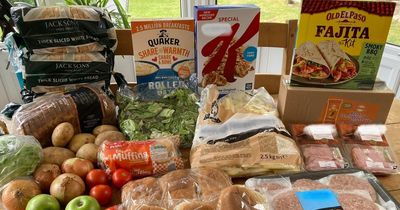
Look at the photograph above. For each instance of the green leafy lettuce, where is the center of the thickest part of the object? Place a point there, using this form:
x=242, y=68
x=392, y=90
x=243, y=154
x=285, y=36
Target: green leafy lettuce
x=174, y=114
x=19, y=156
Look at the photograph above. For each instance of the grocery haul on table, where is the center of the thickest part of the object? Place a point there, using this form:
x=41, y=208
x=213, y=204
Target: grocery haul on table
x=196, y=132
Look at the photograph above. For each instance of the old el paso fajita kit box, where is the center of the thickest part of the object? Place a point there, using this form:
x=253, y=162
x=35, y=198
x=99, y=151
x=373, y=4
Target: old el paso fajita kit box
x=226, y=46
x=340, y=43
x=323, y=105
x=163, y=52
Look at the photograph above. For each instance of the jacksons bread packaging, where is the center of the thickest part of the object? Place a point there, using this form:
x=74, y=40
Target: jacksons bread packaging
x=340, y=43
x=164, y=52
x=226, y=46
x=64, y=29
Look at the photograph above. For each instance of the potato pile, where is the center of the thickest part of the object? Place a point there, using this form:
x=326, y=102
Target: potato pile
x=67, y=144
x=73, y=154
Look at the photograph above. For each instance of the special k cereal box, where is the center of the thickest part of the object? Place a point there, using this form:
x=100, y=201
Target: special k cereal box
x=163, y=51
x=340, y=43
x=226, y=46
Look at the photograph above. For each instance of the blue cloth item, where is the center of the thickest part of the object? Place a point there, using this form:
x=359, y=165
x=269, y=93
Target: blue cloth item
x=318, y=199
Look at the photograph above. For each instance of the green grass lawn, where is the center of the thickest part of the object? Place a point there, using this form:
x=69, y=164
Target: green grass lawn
x=394, y=33
x=271, y=11
x=154, y=8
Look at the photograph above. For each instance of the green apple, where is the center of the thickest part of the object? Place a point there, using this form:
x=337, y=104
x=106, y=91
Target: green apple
x=43, y=202
x=83, y=202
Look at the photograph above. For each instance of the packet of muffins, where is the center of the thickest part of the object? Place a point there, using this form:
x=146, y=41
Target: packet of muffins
x=368, y=148
x=241, y=134
x=320, y=146
x=141, y=158
x=200, y=188
x=333, y=189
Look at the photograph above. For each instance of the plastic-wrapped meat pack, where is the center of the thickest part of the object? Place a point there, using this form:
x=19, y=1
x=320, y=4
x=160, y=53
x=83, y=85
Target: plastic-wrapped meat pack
x=322, y=157
x=200, y=188
x=320, y=146
x=351, y=191
x=368, y=148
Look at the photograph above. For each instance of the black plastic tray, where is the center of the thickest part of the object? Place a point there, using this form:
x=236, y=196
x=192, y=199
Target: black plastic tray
x=380, y=190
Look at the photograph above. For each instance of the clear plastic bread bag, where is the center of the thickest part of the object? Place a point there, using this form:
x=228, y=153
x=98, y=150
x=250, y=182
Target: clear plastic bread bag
x=200, y=186
x=241, y=134
x=85, y=108
x=368, y=148
x=320, y=145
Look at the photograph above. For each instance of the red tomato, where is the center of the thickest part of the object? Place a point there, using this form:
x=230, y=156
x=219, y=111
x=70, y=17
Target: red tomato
x=115, y=207
x=120, y=177
x=96, y=177
x=102, y=193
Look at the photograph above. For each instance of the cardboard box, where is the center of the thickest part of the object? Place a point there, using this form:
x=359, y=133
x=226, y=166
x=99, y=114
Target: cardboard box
x=164, y=52
x=321, y=105
x=226, y=46
x=340, y=43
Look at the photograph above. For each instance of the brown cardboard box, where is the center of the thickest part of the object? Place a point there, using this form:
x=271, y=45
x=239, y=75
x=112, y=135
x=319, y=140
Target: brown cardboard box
x=323, y=105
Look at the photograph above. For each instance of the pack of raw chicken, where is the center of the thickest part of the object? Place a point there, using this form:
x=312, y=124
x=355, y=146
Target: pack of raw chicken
x=330, y=189
x=320, y=146
x=368, y=149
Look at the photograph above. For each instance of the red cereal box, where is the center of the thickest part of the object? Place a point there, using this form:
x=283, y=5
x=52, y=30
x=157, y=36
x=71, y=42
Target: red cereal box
x=226, y=46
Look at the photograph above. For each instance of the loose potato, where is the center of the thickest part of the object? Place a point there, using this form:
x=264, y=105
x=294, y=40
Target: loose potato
x=62, y=134
x=103, y=128
x=56, y=155
x=109, y=136
x=88, y=152
x=79, y=140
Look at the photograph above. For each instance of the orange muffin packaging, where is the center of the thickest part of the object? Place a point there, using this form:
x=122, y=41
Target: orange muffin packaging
x=340, y=43
x=141, y=158
x=368, y=148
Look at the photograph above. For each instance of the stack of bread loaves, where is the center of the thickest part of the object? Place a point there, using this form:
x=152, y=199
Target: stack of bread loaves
x=65, y=45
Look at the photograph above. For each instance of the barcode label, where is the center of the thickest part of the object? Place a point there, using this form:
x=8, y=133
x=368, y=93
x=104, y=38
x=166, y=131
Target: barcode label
x=371, y=164
x=325, y=164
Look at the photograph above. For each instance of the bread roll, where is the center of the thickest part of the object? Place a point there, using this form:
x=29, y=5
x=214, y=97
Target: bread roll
x=238, y=197
x=193, y=205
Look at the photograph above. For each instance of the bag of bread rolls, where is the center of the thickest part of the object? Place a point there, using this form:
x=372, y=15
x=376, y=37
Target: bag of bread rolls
x=241, y=134
x=141, y=158
x=85, y=108
x=179, y=190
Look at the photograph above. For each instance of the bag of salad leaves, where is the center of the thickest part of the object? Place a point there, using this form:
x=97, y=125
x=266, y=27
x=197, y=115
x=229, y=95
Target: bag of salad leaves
x=146, y=112
x=19, y=156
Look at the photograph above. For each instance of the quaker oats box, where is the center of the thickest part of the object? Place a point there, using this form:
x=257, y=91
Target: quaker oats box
x=340, y=43
x=163, y=52
x=226, y=46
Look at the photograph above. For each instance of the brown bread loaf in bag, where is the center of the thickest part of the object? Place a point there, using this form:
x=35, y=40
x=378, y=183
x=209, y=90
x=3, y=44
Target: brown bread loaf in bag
x=84, y=108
